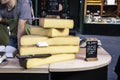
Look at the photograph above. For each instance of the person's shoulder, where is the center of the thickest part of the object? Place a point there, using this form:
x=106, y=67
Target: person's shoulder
x=23, y=1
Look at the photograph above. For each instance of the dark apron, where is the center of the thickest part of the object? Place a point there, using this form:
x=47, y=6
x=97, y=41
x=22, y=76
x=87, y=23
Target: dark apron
x=4, y=36
x=13, y=29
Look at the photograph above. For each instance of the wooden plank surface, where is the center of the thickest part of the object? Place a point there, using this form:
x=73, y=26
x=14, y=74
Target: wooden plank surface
x=11, y=65
x=79, y=64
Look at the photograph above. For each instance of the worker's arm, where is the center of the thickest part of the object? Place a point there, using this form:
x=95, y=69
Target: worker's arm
x=60, y=7
x=24, y=17
x=21, y=30
x=3, y=20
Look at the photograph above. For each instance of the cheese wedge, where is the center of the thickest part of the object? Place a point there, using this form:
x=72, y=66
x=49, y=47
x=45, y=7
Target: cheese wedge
x=35, y=30
x=31, y=63
x=28, y=40
x=56, y=23
x=50, y=49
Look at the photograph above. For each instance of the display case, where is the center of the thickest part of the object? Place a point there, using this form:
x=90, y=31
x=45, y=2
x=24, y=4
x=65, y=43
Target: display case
x=93, y=6
x=110, y=8
x=102, y=11
x=101, y=17
x=118, y=5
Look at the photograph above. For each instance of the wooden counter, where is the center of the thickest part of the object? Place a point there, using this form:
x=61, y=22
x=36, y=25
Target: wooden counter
x=11, y=70
x=79, y=69
x=80, y=64
x=67, y=70
x=12, y=66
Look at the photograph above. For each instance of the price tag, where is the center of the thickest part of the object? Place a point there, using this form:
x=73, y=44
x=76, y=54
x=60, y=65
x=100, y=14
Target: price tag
x=91, y=50
x=42, y=44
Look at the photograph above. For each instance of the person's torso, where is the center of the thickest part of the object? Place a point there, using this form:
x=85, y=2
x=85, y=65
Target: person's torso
x=12, y=16
x=15, y=12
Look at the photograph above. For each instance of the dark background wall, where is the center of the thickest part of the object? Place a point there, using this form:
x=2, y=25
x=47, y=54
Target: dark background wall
x=73, y=7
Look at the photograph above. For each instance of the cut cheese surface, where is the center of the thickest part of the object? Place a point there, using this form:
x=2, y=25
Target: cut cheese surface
x=48, y=50
x=51, y=32
x=56, y=23
x=34, y=39
x=30, y=63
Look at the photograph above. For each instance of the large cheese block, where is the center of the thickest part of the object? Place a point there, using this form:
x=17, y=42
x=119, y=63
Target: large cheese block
x=51, y=32
x=31, y=50
x=56, y=23
x=27, y=40
x=30, y=63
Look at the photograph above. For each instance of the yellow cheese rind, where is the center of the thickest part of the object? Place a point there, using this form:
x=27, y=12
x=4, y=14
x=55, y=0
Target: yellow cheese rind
x=28, y=40
x=51, y=32
x=50, y=49
x=52, y=59
x=56, y=23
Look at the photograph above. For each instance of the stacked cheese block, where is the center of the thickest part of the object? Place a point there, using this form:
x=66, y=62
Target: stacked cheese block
x=50, y=37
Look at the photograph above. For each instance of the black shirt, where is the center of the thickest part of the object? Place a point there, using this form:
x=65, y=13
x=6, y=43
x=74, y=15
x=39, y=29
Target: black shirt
x=52, y=6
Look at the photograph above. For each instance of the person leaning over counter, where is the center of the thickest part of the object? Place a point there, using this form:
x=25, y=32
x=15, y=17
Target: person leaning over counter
x=53, y=7
x=17, y=15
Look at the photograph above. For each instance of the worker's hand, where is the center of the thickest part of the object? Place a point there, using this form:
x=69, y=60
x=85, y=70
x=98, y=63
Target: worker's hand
x=3, y=20
x=60, y=7
x=0, y=19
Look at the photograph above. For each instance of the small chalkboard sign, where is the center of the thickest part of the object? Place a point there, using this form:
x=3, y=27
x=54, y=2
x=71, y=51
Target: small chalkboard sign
x=91, y=50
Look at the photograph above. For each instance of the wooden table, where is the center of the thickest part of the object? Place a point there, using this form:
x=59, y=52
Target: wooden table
x=11, y=70
x=77, y=69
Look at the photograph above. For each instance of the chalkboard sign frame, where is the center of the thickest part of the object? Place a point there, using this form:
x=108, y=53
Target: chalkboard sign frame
x=91, y=50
